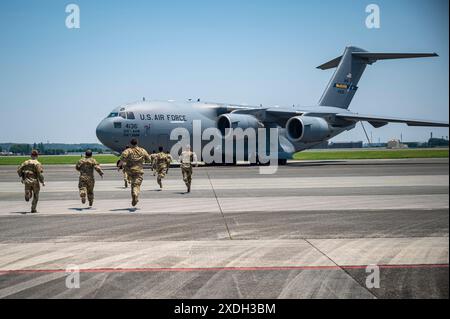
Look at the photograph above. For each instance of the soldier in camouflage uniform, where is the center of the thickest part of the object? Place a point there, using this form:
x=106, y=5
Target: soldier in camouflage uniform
x=86, y=182
x=120, y=166
x=153, y=162
x=133, y=160
x=187, y=157
x=31, y=172
x=162, y=163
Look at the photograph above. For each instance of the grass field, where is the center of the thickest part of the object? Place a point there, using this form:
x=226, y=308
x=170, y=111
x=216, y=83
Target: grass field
x=372, y=154
x=57, y=160
x=308, y=155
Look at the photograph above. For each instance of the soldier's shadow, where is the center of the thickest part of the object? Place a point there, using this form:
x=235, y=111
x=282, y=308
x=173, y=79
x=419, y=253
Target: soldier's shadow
x=82, y=209
x=130, y=210
x=21, y=213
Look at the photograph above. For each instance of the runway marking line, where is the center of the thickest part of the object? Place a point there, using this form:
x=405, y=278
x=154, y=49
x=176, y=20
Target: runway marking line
x=274, y=268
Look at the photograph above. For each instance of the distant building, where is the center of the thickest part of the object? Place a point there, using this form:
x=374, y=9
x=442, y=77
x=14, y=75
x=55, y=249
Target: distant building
x=374, y=145
x=396, y=144
x=336, y=145
x=346, y=145
x=437, y=142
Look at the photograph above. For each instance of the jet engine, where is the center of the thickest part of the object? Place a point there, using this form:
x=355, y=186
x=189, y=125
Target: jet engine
x=232, y=121
x=307, y=129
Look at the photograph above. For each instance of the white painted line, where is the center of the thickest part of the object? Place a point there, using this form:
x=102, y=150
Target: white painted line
x=334, y=203
x=161, y=254
x=252, y=183
x=235, y=205
x=385, y=251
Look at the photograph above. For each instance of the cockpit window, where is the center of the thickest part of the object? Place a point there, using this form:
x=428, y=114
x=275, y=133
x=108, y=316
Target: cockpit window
x=124, y=115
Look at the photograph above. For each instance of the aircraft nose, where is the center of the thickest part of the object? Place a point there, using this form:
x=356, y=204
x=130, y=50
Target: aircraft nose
x=102, y=132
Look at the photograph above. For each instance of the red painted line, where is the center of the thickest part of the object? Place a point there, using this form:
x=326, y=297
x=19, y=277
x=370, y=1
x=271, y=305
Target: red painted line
x=136, y=270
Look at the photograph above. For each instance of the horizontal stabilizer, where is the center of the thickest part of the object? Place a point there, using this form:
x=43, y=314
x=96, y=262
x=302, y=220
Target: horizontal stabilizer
x=330, y=64
x=372, y=57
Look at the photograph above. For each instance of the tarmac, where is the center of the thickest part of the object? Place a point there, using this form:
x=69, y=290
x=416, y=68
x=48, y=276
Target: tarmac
x=308, y=231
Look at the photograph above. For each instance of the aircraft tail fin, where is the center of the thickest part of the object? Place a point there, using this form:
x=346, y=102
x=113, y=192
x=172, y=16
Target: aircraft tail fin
x=349, y=69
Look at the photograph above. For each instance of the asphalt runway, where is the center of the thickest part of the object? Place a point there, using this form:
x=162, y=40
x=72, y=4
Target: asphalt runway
x=308, y=231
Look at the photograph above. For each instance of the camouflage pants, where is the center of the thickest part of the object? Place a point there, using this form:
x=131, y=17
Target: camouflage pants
x=32, y=189
x=86, y=187
x=187, y=174
x=161, y=172
x=136, y=182
x=126, y=178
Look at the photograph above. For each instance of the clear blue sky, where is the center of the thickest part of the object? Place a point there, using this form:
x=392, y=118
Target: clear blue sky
x=56, y=84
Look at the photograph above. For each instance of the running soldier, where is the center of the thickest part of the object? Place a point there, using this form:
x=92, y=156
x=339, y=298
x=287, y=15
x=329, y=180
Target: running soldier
x=133, y=160
x=86, y=182
x=187, y=157
x=31, y=172
x=126, y=179
x=162, y=163
x=153, y=162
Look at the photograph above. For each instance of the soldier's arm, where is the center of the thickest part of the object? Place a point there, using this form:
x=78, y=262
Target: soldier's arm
x=98, y=168
x=123, y=159
x=40, y=173
x=168, y=161
x=77, y=166
x=195, y=159
x=147, y=157
x=20, y=170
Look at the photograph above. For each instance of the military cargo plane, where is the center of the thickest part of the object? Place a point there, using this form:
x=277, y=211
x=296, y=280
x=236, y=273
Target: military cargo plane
x=298, y=128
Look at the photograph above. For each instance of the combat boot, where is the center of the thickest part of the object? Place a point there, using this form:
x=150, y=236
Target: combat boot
x=134, y=201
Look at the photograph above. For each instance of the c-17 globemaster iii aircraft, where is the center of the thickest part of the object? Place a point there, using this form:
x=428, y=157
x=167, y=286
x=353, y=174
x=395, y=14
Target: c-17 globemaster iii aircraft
x=298, y=128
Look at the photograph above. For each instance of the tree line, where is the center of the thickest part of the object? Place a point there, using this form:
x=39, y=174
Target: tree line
x=25, y=149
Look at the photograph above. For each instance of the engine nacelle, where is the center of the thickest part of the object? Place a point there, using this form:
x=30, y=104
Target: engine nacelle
x=307, y=129
x=232, y=121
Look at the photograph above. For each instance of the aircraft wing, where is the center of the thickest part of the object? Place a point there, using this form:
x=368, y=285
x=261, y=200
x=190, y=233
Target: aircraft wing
x=274, y=115
x=379, y=121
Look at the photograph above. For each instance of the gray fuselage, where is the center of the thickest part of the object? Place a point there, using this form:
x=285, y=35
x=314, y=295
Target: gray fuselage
x=152, y=123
